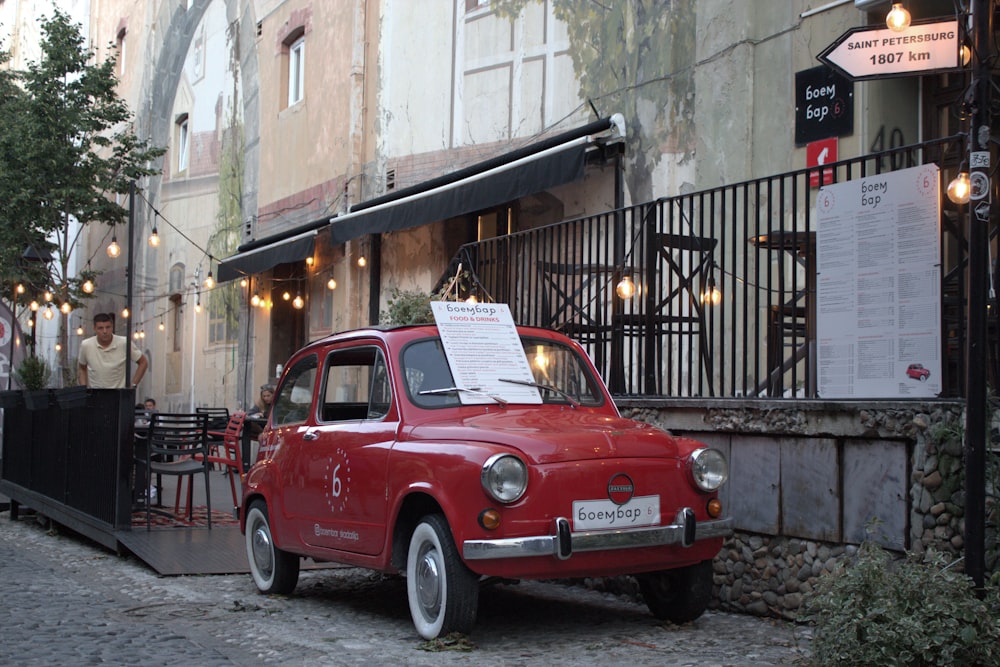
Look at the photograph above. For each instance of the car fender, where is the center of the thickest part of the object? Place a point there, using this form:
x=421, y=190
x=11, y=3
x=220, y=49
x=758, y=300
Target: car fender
x=447, y=473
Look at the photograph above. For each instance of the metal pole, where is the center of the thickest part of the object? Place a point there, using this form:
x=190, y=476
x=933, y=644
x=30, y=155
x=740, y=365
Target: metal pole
x=195, y=297
x=129, y=271
x=980, y=206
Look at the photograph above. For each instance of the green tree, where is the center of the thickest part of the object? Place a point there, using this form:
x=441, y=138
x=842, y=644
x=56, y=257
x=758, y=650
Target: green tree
x=635, y=57
x=68, y=157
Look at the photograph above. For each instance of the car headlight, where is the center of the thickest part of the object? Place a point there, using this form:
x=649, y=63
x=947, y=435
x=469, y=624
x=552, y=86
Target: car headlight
x=709, y=469
x=504, y=478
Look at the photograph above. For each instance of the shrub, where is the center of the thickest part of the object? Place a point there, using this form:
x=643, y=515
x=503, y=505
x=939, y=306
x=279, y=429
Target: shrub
x=407, y=307
x=881, y=611
x=33, y=373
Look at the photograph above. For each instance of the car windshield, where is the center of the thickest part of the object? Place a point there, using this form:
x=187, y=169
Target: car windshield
x=560, y=374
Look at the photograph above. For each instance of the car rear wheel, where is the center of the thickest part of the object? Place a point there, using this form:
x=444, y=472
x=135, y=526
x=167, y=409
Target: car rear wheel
x=679, y=595
x=443, y=593
x=273, y=570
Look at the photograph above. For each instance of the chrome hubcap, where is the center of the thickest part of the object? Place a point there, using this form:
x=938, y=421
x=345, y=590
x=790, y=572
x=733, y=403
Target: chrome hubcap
x=429, y=583
x=263, y=555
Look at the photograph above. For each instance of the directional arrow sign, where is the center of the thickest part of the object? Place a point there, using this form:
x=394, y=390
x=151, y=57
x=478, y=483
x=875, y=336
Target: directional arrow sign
x=876, y=53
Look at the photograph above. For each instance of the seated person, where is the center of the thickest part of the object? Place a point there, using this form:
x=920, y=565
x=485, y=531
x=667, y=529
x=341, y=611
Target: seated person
x=257, y=415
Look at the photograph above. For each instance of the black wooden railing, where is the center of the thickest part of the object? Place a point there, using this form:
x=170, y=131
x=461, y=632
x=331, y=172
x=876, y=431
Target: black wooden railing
x=753, y=242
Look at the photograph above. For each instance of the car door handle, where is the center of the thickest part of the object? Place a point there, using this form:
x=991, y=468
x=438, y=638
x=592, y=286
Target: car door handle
x=310, y=435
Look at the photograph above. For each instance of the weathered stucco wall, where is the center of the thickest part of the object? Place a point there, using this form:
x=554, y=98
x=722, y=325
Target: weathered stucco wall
x=810, y=480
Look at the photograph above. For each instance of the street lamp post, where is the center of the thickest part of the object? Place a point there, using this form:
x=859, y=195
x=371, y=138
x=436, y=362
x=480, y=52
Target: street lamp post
x=979, y=214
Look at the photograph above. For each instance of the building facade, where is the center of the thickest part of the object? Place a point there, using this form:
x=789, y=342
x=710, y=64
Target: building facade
x=279, y=117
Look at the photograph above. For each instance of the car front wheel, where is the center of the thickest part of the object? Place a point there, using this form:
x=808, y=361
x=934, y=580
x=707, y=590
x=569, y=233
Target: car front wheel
x=273, y=570
x=443, y=593
x=679, y=595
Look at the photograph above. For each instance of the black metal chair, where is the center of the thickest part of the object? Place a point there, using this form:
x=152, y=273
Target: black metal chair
x=178, y=445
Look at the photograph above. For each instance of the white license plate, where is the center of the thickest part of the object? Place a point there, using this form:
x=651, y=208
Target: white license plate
x=605, y=515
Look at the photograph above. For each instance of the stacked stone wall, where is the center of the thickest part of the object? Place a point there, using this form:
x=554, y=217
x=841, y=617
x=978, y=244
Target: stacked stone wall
x=773, y=575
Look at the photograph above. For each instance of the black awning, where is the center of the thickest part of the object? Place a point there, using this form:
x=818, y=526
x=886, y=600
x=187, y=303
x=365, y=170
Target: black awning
x=493, y=187
x=258, y=260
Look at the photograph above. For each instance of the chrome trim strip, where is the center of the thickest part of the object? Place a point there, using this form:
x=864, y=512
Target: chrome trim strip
x=594, y=540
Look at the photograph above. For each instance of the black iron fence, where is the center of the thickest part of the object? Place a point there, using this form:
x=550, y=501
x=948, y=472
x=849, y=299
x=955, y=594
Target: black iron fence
x=704, y=294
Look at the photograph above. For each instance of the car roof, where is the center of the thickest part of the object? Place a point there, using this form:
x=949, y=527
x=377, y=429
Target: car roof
x=402, y=333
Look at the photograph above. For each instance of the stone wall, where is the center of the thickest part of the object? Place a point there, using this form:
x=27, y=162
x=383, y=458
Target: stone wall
x=769, y=566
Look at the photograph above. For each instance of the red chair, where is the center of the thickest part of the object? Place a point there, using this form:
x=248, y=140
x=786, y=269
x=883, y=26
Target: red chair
x=228, y=456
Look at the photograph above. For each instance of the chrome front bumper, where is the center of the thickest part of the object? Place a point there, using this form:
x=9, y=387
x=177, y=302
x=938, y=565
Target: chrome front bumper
x=685, y=531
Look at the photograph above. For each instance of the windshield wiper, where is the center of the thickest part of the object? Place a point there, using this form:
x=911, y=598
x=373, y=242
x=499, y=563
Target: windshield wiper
x=456, y=390
x=547, y=387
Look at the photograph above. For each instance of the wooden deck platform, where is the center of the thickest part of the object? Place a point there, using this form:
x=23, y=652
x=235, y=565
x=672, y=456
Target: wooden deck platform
x=188, y=550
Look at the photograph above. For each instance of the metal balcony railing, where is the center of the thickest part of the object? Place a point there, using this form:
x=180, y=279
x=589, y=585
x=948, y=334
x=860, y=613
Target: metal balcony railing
x=704, y=294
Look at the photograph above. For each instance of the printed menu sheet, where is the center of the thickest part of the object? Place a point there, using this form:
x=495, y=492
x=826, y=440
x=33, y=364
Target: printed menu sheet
x=482, y=346
x=878, y=277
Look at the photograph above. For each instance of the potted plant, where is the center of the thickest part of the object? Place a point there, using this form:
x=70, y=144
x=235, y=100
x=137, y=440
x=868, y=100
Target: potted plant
x=33, y=375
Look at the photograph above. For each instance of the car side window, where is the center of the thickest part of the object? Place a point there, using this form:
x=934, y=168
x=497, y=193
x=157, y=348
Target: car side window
x=356, y=385
x=294, y=397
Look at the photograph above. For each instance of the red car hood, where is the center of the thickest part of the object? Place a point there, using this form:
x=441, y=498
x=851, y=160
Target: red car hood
x=555, y=436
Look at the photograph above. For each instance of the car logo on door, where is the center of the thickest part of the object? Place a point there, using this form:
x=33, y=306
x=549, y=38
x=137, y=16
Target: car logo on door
x=620, y=489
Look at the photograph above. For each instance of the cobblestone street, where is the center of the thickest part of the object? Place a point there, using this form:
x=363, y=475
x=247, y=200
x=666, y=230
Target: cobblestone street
x=68, y=601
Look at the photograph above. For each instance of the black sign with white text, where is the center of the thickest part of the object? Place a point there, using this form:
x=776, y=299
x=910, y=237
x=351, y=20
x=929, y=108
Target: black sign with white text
x=824, y=105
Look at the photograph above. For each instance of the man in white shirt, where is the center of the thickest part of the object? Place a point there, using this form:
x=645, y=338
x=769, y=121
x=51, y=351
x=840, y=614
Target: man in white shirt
x=102, y=357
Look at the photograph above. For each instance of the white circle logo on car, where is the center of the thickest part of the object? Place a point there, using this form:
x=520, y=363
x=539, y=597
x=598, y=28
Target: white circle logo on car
x=338, y=480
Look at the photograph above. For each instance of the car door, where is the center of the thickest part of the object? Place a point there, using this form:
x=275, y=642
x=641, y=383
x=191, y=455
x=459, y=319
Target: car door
x=347, y=449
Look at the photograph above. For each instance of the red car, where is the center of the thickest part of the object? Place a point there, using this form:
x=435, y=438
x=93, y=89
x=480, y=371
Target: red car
x=917, y=372
x=371, y=458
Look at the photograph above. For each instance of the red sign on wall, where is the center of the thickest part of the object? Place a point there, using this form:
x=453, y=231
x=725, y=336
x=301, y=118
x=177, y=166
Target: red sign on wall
x=819, y=153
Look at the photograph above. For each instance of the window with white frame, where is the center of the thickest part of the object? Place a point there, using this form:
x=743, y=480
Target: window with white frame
x=183, y=141
x=296, y=71
x=120, y=45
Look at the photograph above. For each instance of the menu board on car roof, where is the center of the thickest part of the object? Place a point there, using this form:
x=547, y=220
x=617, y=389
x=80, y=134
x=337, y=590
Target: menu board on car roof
x=482, y=345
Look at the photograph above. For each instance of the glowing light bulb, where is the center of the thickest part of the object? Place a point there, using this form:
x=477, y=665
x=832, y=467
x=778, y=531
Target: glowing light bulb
x=47, y=296
x=79, y=330
x=65, y=308
x=19, y=289
x=88, y=286
x=625, y=288
x=243, y=282
x=161, y=326
x=114, y=249
x=154, y=239
x=34, y=306
x=298, y=302
x=197, y=307
x=125, y=313
x=331, y=284
x=898, y=19
x=48, y=314
x=286, y=296
x=209, y=281
x=472, y=299
x=362, y=262
x=960, y=188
